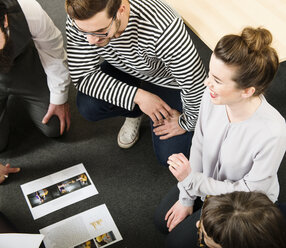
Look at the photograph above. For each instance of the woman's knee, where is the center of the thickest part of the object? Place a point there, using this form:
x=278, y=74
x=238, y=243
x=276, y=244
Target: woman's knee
x=184, y=235
x=159, y=220
x=166, y=203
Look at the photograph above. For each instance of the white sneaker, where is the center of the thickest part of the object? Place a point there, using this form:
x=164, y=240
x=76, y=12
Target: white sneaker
x=129, y=132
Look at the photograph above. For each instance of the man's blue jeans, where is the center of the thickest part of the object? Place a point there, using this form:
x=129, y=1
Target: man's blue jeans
x=94, y=109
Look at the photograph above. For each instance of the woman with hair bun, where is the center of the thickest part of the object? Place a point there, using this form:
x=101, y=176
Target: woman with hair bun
x=239, y=139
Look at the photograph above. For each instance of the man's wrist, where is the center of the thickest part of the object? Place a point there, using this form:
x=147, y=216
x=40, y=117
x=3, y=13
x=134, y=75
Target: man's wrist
x=137, y=96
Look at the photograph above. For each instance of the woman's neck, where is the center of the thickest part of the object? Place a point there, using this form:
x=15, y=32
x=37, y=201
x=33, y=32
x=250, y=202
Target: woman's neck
x=243, y=110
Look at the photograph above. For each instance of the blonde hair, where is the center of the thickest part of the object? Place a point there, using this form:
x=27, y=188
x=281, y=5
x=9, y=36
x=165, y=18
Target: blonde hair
x=256, y=61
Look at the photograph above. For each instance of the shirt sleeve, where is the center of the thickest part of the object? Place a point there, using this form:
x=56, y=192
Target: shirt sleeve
x=49, y=44
x=87, y=76
x=180, y=56
x=260, y=178
x=195, y=155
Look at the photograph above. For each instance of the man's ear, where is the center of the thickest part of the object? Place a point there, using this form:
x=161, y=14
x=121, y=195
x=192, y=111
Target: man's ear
x=6, y=21
x=122, y=8
x=248, y=92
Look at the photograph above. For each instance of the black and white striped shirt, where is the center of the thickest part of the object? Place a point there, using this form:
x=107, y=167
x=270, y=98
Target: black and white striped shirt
x=155, y=47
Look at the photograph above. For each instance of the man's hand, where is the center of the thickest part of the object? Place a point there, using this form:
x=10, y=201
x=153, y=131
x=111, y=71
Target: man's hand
x=5, y=170
x=179, y=166
x=152, y=105
x=62, y=112
x=177, y=214
x=170, y=126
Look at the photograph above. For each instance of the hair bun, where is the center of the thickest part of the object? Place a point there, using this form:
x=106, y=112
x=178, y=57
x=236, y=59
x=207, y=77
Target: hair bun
x=256, y=38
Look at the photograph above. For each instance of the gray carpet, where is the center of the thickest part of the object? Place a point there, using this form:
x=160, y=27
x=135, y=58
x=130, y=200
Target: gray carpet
x=130, y=182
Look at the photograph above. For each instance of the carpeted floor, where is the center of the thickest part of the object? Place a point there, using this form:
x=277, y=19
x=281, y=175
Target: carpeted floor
x=130, y=182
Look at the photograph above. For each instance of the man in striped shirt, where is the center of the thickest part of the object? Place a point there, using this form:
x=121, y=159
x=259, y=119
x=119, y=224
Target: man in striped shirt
x=150, y=66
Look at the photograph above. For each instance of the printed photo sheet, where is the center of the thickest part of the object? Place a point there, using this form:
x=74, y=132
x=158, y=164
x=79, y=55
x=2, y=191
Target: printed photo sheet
x=50, y=193
x=92, y=228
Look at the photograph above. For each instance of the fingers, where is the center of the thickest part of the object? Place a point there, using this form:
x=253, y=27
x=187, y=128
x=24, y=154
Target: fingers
x=173, y=170
x=62, y=125
x=13, y=170
x=167, y=136
x=67, y=116
x=68, y=121
x=46, y=118
x=154, y=119
x=62, y=112
x=65, y=120
x=158, y=118
x=173, y=224
x=160, y=130
x=161, y=113
x=170, y=220
x=175, y=163
x=183, y=158
x=5, y=170
x=165, y=111
x=168, y=213
x=177, y=159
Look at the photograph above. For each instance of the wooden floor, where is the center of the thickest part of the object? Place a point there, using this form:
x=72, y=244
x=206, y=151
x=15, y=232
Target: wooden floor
x=212, y=19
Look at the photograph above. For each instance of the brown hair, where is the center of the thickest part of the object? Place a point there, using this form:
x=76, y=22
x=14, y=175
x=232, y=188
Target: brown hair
x=244, y=220
x=251, y=53
x=85, y=9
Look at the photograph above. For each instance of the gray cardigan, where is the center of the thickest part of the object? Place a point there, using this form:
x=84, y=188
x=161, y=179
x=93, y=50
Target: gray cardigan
x=227, y=157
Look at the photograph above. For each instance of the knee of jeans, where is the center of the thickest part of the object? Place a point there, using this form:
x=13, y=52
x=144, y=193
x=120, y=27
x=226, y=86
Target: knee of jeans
x=90, y=113
x=159, y=221
x=162, y=157
x=172, y=242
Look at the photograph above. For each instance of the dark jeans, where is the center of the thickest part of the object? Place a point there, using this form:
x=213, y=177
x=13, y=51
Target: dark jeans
x=94, y=109
x=184, y=235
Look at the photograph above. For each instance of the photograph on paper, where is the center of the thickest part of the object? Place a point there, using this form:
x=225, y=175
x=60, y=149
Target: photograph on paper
x=92, y=228
x=58, y=190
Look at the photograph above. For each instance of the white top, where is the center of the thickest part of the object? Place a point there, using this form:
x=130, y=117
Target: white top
x=227, y=157
x=49, y=43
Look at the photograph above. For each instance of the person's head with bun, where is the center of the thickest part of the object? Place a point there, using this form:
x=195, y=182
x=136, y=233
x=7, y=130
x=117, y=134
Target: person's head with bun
x=251, y=53
x=250, y=57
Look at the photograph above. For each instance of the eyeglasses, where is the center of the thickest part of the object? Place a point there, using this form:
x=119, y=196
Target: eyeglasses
x=201, y=242
x=94, y=33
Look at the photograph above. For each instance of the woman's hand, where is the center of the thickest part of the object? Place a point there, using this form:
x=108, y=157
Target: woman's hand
x=180, y=166
x=177, y=214
x=169, y=127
